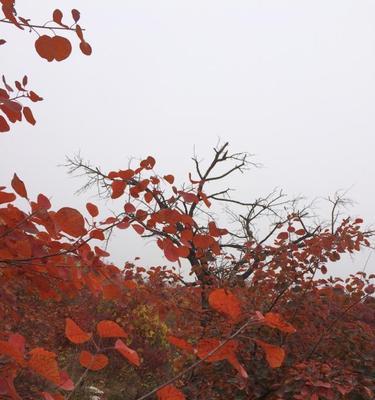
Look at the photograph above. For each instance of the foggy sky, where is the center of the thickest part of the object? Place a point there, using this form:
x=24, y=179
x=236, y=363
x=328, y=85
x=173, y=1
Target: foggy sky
x=292, y=82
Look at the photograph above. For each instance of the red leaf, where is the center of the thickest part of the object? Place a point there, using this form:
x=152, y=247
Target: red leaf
x=236, y=365
x=215, y=231
x=126, y=174
x=169, y=178
x=97, y=234
x=29, y=115
x=71, y=221
x=206, y=346
x=274, y=354
x=189, y=197
x=34, y=97
x=79, y=32
x=61, y=47
x=57, y=16
x=43, y=201
x=118, y=188
x=18, y=341
x=275, y=321
x=76, y=15
x=283, y=235
x=225, y=302
x=85, y=48
x=148, y=163
x=2, y=41
x=44, y=363
x=4, y=126
x=138, y=228
x=7, y=197
x=110, y=329
x=93, y=362
x=127, y=352
x=205, y=199
x=202, y=241
x=65, y=382
x=74, y=333
x=92, y=209
x=8, y=88
x=169, y=392
x=129, y=208
x=19, y=186
x=111, y=292
x=44, y=47
x=24, y=80
x=101, y=253
x=11, y=350
x=180, y=343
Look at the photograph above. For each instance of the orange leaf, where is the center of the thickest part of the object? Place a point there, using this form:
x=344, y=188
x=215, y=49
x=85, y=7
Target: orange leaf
x=202, y=241
x=92, y=209
x=127, y=352
x=74, y=333
x=180, y=343
x=44, y=363
x=169, y=392
x=19, y=186
x=206, y=346
x=108, y=329
x=275, y=321
x=232, y=359
x=71, y=221
x=129, y=284
x=274, y=354
x=11, y=350
x=111, y=292
x=65, y=382
x=93, y=362
x=225, y=302
x=7, y=197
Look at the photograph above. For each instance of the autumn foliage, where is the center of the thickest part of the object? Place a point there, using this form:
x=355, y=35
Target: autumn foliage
x=239, y=310
x=254, y=322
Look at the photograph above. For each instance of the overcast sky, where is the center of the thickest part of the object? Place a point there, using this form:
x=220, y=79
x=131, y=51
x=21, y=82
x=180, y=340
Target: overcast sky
x=292, y=82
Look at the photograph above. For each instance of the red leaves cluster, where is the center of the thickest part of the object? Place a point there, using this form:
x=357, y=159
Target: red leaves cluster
x=159, y=323
x=48, y=46
x=11, y=108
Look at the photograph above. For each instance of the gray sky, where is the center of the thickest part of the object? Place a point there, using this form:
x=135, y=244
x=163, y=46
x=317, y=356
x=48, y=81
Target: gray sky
x=292, y=82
